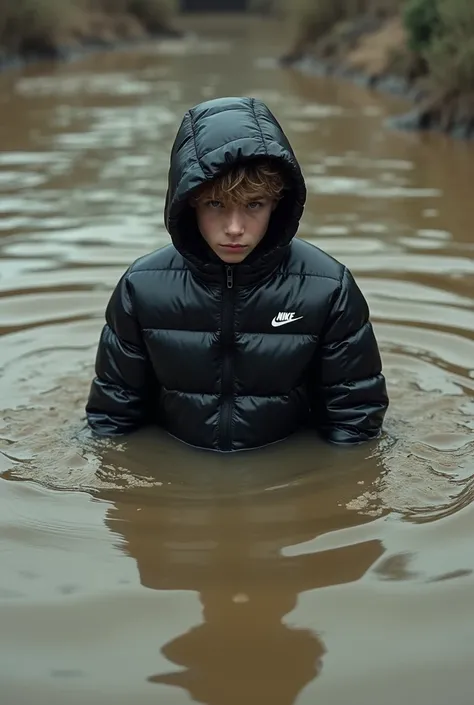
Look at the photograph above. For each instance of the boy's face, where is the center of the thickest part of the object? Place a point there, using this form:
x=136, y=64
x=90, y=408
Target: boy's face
x=232, y=230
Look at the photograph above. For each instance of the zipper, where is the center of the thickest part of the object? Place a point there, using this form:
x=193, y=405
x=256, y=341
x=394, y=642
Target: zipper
x=229, y=272
x=225, y=426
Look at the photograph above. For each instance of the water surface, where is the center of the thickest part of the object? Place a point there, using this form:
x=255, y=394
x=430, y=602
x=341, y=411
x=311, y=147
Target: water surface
x=147, y=572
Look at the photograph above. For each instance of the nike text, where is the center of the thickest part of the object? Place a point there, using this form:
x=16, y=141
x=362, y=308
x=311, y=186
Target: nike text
x=285, y=317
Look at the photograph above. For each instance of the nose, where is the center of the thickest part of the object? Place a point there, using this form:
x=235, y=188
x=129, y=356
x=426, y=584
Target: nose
x=234, y=225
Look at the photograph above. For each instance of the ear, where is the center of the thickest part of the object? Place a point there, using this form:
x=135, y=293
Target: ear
x=275, y=202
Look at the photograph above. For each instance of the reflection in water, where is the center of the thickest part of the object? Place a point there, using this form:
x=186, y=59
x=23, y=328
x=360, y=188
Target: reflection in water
x=224, y=536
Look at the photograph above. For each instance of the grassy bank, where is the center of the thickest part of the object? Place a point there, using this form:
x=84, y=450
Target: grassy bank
x=37, y=28
x=427, y=44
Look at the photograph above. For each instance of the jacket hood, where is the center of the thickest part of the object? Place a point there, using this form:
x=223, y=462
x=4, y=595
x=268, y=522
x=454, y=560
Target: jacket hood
x=212, y=137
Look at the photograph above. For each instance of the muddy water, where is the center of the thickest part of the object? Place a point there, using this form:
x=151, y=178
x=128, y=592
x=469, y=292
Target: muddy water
x=147, y=572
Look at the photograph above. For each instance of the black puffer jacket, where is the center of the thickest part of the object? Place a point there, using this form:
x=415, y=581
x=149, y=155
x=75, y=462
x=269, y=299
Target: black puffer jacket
x=234, y=357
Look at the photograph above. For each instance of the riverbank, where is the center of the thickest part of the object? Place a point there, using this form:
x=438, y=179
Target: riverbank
x=378, y=51
x=35, y=30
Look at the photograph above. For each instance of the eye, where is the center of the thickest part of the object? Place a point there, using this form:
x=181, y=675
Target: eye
x=214, y=204
x=254, y=205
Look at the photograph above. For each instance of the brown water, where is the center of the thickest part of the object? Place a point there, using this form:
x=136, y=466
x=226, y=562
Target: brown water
x=147, y=572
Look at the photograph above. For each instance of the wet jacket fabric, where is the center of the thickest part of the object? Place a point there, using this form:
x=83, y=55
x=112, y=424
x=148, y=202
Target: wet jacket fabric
x=230, y=357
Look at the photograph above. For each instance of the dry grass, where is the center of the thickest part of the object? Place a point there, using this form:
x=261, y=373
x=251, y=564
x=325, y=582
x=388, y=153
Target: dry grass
x=450, y=55
x=24, y=22
x=43, y=26
x=152, y=14
x=313, y=19
x=439, y=34
x=442, y=33
x=374, y=50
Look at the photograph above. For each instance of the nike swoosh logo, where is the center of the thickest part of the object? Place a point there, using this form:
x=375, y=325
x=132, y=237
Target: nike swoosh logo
x=276, y=323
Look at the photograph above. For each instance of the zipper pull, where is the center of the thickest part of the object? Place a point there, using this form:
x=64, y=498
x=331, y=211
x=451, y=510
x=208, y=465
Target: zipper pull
x=230, y=277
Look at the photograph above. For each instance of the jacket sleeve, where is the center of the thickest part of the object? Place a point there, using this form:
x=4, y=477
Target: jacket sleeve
x=118, y=398
x=349, y=395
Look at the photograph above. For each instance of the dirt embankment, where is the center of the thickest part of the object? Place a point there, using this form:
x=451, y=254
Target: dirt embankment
x=375, y=51
x=54, y=29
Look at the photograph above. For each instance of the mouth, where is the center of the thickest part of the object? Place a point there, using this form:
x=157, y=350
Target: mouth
x=234, y=248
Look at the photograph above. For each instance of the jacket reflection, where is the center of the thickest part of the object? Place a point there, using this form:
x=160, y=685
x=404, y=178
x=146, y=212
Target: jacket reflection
x=231, y=550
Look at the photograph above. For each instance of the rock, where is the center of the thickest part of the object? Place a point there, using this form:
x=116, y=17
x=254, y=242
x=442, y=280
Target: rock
x=462, y=131
x=363, y=80
x=393, y=84
x=409, y=121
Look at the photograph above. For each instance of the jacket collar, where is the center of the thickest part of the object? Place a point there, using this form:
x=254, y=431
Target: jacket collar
x=244, y=275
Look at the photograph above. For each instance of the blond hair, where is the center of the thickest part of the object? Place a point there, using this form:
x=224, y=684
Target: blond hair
x=244, y=183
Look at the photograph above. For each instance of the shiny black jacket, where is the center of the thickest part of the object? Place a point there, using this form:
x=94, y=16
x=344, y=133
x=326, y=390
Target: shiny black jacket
x=234, y=357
